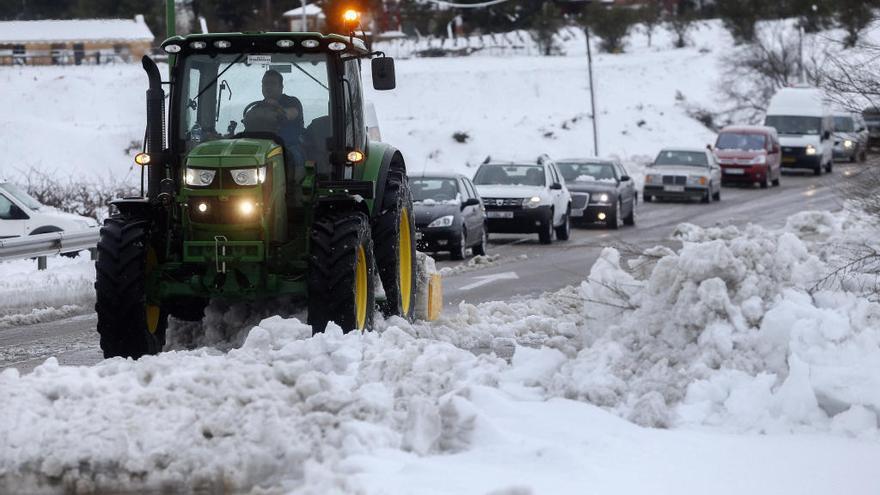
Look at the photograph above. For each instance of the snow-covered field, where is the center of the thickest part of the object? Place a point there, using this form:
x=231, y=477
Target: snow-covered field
x=716, y=368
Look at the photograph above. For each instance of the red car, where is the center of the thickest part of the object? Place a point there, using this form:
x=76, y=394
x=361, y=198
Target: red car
x=749, y=154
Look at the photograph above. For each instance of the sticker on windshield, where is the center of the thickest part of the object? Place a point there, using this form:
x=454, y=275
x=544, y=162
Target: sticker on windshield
x=259, y=59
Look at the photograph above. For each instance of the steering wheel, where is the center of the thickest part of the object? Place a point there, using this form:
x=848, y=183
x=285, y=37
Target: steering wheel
x=262, y=116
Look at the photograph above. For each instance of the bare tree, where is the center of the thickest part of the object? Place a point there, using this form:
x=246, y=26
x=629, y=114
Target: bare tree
x=754, y=72
x=853, y=82
x=680, y=23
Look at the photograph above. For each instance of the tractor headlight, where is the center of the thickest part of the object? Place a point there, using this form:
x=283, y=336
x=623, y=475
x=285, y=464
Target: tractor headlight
x=199, y=177
x=533, y=202
x=247, y=208
x=249, y=176
x=445, y=221
x=811, y=150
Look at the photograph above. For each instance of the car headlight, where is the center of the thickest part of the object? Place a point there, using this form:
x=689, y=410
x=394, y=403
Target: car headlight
x=847, y=144
x=249, y=176
x=445, y=221
x=199, y=177
x=697, y=180
x=811, y=150
x=653, y=179
x=532, y=202
x=758, y=160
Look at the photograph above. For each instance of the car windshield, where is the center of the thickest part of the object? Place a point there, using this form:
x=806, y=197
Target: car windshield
x=844, y=124
x=794, y=125
x=22, y=196
x=587, y=172
x=431, y=189
x=675, y=157
x=280, y=93
x=740, y=141
x=510, y=175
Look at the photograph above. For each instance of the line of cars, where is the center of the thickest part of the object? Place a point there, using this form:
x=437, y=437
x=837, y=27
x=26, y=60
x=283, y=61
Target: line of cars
x=544, y=197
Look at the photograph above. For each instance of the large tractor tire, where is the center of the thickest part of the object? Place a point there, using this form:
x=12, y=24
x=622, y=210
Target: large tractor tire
x=341, y=274
x=127, y=324
x=395, y=244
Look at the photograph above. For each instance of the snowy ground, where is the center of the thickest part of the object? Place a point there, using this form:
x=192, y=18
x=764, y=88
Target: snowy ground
x=715, y=368
x=28, y=295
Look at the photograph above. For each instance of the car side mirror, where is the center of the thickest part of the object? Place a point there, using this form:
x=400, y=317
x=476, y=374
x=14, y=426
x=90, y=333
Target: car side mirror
x=470, y=202
x=557, y=186
x=625, y=178
x=826, y=135
x=383, y=74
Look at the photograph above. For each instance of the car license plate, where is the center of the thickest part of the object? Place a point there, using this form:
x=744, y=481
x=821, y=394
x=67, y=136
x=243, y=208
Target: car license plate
x=577, y=213
x=499, y=214
x=734, y=171
x=788, y=159
x=673, y=188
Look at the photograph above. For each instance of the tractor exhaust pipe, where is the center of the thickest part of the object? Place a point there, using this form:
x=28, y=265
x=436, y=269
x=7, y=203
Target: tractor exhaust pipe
x=155, y=126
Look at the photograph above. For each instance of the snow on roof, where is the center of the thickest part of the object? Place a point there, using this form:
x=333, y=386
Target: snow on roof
x=49, y=31
x=311, y=10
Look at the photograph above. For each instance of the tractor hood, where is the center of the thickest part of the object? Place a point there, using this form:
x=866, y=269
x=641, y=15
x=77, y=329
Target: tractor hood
x=233, y=153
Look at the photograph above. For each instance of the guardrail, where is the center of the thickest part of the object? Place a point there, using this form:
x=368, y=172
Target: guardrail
x=41, y=245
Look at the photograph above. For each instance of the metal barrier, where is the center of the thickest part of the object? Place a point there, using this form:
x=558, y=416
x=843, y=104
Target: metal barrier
x=41, y=245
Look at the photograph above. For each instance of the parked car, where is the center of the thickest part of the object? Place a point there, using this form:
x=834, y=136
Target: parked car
x=601, y=191
x=449, y=215
x=749, y=154
x=21, y=214
x=804, y=124
x=683, y=173
x=872, y=121
x=525, y=197
x=850, y=137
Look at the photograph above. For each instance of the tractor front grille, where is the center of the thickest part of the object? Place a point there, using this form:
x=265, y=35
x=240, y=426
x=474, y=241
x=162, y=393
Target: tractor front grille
x=222, y=212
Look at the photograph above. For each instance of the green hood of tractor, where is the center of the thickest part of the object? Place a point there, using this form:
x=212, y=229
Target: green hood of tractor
x=233, y=153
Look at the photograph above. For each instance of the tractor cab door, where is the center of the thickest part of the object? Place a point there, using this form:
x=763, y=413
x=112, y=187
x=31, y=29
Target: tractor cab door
x=355, y=127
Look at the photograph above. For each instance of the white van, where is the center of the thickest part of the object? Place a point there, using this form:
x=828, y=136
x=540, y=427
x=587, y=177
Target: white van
x=804, y=124
x=21, y=214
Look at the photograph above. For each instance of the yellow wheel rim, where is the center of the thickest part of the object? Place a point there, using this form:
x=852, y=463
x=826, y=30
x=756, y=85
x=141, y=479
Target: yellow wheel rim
x=360, y=289
x=405, y=250
x=152, y=311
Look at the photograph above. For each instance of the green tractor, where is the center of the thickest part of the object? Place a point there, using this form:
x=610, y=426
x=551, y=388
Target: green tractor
x=264, y=185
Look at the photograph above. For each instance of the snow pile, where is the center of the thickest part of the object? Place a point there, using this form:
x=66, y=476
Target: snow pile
x=283, y=405
x=725, y=332
x=28, y=295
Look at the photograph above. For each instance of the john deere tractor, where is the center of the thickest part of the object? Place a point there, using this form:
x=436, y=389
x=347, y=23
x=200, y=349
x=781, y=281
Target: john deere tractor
x=254, y=192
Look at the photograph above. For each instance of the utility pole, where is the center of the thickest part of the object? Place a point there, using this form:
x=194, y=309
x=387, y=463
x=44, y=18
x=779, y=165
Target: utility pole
x=303, y=16
x=592, y=93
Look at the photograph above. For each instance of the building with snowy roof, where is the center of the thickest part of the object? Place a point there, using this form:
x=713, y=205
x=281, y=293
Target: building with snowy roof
x=78, y=41
x=314, y=18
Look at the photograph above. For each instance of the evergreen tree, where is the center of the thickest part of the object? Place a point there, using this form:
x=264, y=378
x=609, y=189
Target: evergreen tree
x=740, y=16
x=853, y=16
x=612, y=24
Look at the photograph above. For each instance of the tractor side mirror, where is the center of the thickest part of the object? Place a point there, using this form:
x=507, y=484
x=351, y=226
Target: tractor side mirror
x=383, y=74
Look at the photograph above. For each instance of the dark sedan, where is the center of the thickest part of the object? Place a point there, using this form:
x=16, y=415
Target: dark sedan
x=449, y=215
x=601, y=191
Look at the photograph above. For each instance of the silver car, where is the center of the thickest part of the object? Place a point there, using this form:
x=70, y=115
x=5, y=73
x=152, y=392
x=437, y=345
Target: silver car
x=683, y=173
x=850, y=137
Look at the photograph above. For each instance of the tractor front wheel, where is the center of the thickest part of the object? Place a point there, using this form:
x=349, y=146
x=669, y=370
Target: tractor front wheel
x=395, y=243
x=129, y=326
x=341, y=272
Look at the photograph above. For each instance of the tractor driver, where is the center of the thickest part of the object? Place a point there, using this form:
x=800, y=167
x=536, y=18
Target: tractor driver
x=280, y=114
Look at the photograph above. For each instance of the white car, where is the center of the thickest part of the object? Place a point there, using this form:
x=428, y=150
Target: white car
x=525, y=197
x=683, y=173
x=804, y=124
x=21, y=214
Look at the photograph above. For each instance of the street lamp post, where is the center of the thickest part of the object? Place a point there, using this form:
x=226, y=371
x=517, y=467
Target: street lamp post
x=592, y=94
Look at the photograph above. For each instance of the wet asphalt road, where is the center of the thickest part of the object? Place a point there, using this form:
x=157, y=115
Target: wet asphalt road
x=523, y=268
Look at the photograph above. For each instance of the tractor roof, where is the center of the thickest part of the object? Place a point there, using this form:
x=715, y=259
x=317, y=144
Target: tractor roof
x=263, y=42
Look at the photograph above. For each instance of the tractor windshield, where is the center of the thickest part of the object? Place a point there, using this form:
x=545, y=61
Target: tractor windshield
x=278, y=93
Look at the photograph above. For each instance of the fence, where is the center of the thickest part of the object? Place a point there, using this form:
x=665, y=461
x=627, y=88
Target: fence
x=41, y=245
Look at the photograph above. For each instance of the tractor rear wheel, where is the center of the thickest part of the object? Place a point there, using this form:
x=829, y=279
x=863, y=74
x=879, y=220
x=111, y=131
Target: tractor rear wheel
x=128, y=325
x=341, y=272
x=395, y=244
